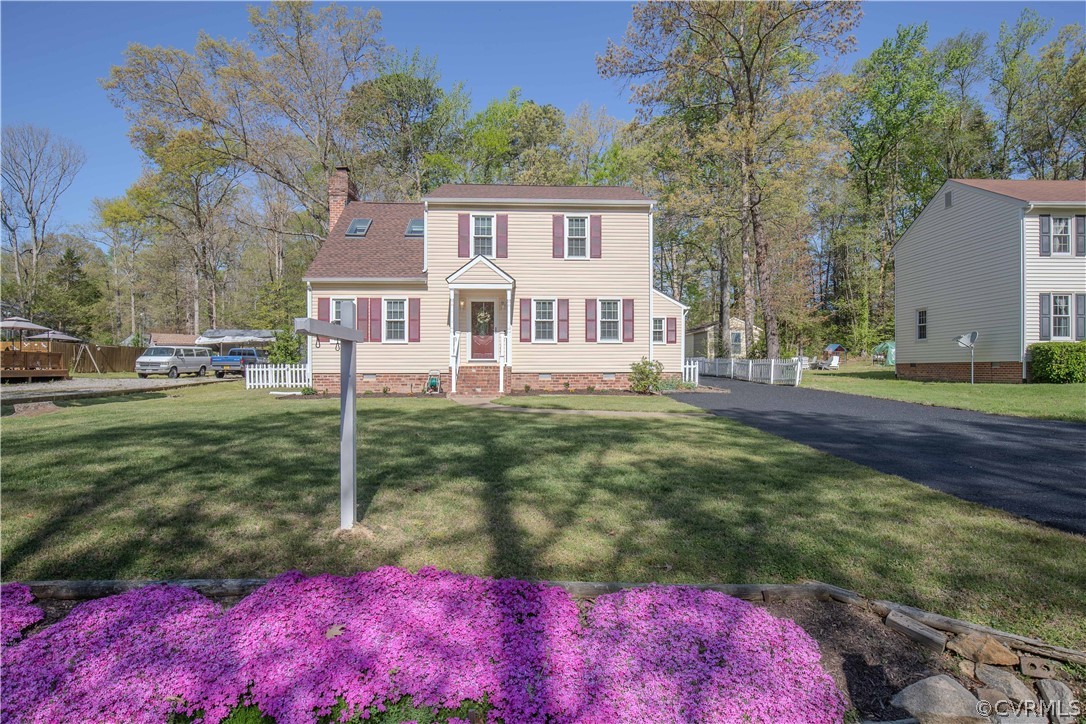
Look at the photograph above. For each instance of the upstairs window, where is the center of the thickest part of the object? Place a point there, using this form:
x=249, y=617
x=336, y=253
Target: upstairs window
x=609, y=320
x=921, y=324
x=1061, y=235
x=658, y=329
x=576, y=237
x=482, y=238
x=395, y=320
x=337, y=315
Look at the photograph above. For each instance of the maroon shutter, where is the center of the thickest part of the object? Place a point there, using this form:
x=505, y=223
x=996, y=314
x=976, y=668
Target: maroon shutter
x=362, y=312
x=502, y=247
x=324, y=313
x=414, y=309
x=627, y=320
x=464, y=230
x=375, y=319
x=525, y=320
x=672, y=330
x=590, y=320
x=595, y=223
x=563, y=320
x=558, y=236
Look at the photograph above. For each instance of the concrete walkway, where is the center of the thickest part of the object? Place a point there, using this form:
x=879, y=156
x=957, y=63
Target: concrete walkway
x=1032, y=468
x=486, y=403
x=83, y=387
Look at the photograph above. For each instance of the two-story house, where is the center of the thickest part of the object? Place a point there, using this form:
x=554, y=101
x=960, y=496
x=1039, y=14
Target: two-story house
x=1004, y=258
x=494, y=288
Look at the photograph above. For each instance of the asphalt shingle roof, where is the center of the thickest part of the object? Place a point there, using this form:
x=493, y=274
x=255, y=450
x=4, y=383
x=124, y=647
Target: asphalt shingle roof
x=383, y=253
x=1038, y=191
x=527, y=193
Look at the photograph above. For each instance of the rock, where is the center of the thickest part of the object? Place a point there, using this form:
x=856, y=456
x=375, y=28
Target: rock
x=968, y=669
x=1020, y=718
x=921, y=633
x=982, y=649
x=994, y=697
x=1037, y=668
x=939, y=700
x=1059, y=702
x=1005, y=682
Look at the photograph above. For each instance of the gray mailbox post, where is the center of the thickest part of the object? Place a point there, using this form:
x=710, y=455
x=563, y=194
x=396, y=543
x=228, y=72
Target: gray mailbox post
x=346, y=335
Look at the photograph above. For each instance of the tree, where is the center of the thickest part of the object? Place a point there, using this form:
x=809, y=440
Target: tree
x=38, y=167
x=273, y=104
x=69, y=296
x=1012, y=68
x=761, y=59
x=408, y=126
x=125, y=231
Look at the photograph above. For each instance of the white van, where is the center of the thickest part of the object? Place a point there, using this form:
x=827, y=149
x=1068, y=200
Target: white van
x=174, y=361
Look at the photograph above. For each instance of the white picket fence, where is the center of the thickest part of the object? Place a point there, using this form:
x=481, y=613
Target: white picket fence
x=765, y=371
x=690, y=371
x=262, y=377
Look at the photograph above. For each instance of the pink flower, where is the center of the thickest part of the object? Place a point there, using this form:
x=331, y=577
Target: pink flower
x=16, y=612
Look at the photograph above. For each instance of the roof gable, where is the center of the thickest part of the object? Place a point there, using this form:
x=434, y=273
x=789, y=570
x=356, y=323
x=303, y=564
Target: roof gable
x=479, y=271
x=1037, y=191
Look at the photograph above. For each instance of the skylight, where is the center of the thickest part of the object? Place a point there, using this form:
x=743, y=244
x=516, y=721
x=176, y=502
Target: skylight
x=414, y=227
x=359, y=227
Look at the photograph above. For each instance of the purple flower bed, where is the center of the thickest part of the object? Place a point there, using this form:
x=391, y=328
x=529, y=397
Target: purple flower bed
x=301, y=647
x=16, y=611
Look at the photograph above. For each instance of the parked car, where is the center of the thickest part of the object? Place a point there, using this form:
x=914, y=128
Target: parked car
x=235, y=362
x=174, y=361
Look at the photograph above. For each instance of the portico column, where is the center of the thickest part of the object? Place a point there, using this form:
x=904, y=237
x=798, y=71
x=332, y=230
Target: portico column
x=508, y=328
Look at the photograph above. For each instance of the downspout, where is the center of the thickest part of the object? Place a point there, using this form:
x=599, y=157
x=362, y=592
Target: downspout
x=425, y=236
x=309, y=337
x=1022, y=288
x=652, y=263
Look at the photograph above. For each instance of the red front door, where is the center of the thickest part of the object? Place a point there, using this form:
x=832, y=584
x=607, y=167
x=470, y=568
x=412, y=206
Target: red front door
x=482, y=330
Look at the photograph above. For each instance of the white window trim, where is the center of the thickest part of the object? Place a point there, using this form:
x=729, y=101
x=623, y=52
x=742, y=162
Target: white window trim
x=587, y=236
x=663, y=330
x=731, y=341
x=384, y=320
x=599, y=320
x=493, y=235
x=332, y=308
x=553, y=320
x=1070, y=337
x=1070, y=236
x=916, y=325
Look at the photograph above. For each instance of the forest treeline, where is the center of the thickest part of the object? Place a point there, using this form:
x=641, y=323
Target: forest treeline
x=783, y=179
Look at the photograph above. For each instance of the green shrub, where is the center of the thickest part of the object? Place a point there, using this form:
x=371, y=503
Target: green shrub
x=674, y=383
x=308, y=391
x=645, y=376
x=286, y=349
x=1059, y=362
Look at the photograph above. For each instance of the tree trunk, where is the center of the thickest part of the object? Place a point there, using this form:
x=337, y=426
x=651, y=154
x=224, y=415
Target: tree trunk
x=723, y=314
x=765, y=283
x=748, y=270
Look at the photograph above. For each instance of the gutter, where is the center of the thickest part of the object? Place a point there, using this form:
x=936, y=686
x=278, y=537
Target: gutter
x=1022, y=285
x=543, y=202
x=382, y=280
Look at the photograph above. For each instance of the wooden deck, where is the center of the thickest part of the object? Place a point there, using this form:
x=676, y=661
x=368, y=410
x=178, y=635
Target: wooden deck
x=31, y=366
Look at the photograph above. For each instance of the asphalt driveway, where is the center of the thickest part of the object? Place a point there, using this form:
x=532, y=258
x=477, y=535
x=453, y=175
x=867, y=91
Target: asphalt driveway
x=1032, y=468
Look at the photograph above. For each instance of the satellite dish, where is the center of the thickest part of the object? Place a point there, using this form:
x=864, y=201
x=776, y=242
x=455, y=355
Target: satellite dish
x=967, y=340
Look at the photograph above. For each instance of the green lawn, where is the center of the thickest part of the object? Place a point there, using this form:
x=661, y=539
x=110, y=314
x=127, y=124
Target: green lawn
x=638, y=403
x=214, y=481
x=1050, y=402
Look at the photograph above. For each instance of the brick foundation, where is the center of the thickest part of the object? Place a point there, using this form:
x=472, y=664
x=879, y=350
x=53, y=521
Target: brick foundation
x=397, y=382
x=999, y=372
x=578, y=381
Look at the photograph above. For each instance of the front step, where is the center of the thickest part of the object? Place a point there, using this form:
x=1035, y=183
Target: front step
x=478, y=380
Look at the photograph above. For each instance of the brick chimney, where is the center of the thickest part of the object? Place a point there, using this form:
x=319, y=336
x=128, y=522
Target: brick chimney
x=340, y=192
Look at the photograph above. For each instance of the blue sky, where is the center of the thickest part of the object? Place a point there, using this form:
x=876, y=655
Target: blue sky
x=53, y=54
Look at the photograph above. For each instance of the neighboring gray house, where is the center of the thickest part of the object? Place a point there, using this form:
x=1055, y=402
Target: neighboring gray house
x=1005, y=258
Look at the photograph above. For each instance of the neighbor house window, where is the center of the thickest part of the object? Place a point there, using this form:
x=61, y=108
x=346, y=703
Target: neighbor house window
x=482, y=238
x=609, y=320
x=576, y=237
x=1061, y=316
x=395, y=320
x=543, y=320
x=921, y=324
x=658, y=329
x=337, y=316
x=1061, y=235
x=737, y=344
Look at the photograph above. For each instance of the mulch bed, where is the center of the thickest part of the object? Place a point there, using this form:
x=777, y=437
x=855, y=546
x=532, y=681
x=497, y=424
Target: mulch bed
x=869, y=662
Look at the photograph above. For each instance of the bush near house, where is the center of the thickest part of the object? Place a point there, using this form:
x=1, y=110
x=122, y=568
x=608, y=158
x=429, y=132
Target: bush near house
x=1060, y=362
x=645, y=376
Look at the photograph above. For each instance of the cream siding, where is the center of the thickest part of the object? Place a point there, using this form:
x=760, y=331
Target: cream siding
x=480, y=274
x=1049, y=274
x=963, y=265
x=670, y=354
x=430, y=352
x=622, y=272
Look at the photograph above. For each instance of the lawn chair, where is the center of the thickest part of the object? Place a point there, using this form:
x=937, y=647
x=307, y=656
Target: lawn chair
x=833, y=363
